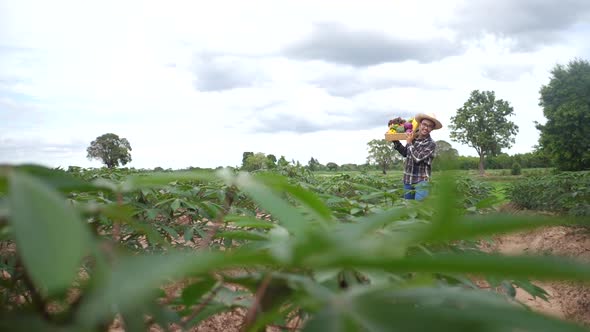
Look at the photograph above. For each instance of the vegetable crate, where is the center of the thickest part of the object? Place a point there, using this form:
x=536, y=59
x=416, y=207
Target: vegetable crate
x=389, y=136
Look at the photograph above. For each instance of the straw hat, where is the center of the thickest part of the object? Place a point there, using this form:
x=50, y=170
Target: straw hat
x=429, y=116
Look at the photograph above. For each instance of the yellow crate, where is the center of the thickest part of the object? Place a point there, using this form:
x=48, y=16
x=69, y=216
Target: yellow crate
x=389, y=136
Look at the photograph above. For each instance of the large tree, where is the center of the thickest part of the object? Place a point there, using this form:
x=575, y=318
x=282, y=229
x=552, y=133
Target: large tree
x=282, y=162
x=482, y=124
x=110, y=149
x=566, y=105
x=245, y=156
x=332, y=166
x=314, y=165
x=445, y=156
x=444, y=148
x=382, y=153
x=256, y=161
x=272, y=160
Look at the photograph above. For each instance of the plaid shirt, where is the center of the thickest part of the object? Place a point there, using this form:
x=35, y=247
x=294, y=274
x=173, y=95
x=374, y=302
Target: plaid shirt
x=419, y=157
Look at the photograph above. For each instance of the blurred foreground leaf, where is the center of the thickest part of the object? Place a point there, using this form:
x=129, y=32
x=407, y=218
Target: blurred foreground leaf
x=51, y=237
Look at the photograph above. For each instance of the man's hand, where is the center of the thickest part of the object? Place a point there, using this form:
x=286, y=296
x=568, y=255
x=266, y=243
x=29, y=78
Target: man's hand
x=410, y=137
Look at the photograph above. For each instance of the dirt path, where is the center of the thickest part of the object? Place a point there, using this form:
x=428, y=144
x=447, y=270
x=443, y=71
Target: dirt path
x=567, y=300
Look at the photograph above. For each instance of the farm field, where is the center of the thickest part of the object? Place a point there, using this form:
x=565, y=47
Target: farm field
x=288, y=249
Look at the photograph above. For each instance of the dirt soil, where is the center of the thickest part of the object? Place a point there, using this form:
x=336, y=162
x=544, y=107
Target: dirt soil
x=568, y=300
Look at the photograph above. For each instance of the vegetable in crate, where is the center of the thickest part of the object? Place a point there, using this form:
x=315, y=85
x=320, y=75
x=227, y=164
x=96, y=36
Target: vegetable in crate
x=400, y=125
x=408, y=127
x=395, y=122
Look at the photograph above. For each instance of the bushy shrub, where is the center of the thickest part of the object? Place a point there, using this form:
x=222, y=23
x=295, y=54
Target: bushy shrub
x=516, y=169
x=566, y=192
x=472, y=191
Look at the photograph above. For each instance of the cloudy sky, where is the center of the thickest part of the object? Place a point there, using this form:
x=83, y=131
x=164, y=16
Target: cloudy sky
x=197, y=83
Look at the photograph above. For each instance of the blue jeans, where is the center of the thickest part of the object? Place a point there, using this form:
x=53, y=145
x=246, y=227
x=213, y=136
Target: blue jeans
x=417, y=191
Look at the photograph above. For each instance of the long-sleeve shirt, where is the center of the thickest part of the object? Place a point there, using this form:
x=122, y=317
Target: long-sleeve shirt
x=419, y=155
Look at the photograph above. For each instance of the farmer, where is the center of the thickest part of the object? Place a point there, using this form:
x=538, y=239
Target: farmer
x=419, y=152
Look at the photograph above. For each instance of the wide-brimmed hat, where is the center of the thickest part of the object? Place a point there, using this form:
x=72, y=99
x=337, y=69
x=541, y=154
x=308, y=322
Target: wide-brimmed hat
x=431, y=117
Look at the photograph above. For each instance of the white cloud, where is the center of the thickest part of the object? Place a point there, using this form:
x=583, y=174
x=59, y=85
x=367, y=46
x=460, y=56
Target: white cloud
x=195, y=83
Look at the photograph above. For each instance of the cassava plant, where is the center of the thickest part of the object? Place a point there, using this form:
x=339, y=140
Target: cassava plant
x=403, y=266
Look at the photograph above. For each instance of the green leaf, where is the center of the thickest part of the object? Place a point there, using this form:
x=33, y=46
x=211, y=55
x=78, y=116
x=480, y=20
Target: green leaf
x=188, y=233
x=539, y=267
x=150, y=232
x=375, y=221
x=164, y=201
x=372, y=196
x=478, y=226
x=233, y=297
x=152, y=214
x=56, y=179
x=445, y=207
x=163, y=316
x=210, y=310
x=487, y=202
x=171, y=231
x=509, y=288
x=447, y=309
x=26, y=322
x=308, y=199
x=288, y=216
x=429, y=309
x=532, y=289
x=334, y=318
x=175, y=205
x=51, y=237
x=123, y=289
x=193, y=292
x=202, y=234
x=117, y=212
x=249, y=222
x=241, y=235
x=209, y=209
x=189, y=205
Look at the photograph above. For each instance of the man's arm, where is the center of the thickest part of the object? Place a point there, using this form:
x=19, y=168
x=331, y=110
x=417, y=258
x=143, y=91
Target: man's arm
x=400, y=148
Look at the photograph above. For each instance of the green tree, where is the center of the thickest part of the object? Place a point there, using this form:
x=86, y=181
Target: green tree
x=516, y=169
x=332, y=166
x=382, y=153
x=256, y=162
x=566, y=105
x=349, y=167
x=245, y=156
x=446, y=156
x=482, y=124
x=500, y=161
x=282, y=162
x=272, y=160
x=110, y=149
x=313, y=164
x=444, y=148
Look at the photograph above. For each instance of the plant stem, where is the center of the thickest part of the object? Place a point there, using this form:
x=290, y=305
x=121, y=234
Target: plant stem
x=255, y=308
x=201, y=305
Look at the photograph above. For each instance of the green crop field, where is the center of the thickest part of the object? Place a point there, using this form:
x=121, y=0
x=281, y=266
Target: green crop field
x=330, y=251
